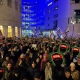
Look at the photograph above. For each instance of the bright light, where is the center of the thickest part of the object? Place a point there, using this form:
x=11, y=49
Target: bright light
x=49, y=3
x=73, y=22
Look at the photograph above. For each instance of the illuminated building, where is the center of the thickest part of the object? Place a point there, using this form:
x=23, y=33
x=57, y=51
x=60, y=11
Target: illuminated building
x=10, y=18
x=33, y=15
x=63, y=13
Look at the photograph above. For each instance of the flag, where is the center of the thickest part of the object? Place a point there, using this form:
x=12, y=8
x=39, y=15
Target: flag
x=59, y=31
x=52, y=35
x=66, y=32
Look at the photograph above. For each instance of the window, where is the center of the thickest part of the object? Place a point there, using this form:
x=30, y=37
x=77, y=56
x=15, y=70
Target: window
x=68, y=20
x=16, y=5
x=56, y=15
x=76, y=1
x=55, y=24
x=49, y=11
x=9, y=2
x=55, y=1
x=9, y=31
x=48, y=24
x=20, y=9
x=56, y=8
x=71, y=19
x=0, y=1
x=16, y=31
x=1, y=29
x=48, y=18
x=77, y=16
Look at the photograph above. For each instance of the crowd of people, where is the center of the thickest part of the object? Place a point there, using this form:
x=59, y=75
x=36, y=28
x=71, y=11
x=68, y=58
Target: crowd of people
x=22, y=61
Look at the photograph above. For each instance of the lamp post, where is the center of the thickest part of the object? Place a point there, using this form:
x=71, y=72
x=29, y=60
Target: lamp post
x=73, y=28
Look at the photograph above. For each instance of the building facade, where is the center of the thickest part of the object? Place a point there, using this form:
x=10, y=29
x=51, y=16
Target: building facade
x=10, y=18
x=33, y=15
x=64, y=13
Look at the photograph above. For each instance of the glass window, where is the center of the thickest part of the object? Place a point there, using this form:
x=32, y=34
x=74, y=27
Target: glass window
x=77, y=16
x=0, y=1
x=48, y=18
x=55, y=24
x=55, y=1
x=16, y=31
x=56, y=8
x=56, y=15
x=1, y=29
x=16, y=5
x=20, y=31
x=76, y=1
x=9, y=31
x=48, y=24
x=68, y=20
x=9, y=2
x=49, y=11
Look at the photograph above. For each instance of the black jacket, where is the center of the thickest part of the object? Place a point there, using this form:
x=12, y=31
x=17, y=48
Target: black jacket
x=65, y=78
x=31, y=72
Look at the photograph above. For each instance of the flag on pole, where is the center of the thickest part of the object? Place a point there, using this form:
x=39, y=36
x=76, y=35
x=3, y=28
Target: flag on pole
x=59, y=31
x=52, y=35
x=66, y=32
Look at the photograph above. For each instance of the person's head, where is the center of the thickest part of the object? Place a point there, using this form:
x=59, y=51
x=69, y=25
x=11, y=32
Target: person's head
x=7, y=57
x=28, y=49
x=15, y=48
x=72, y=66
x=45, y=56
x=47, y=49
x=2, y=52
x=48, y=63
x=33, y=64
x=75, y=76
x=4, y=45
x=9, y=66
x=38, y=59
x=37, y=76
x=23, y=56
x=67, y=72
x=21, y=47
x=78, y=60
x=41, y=56
x=45, y=52
x=31, y=55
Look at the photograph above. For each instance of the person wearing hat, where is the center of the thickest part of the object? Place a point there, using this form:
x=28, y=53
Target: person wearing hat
x=73, y=70
x=38, y=76
x=32, y=70
x=49, y=71
x=7, y=61
x=67, y=75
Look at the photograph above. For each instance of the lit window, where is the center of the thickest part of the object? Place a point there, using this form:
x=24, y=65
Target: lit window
x=16, y=31
x=0, y=1
x=1, y=29
x=16, y=5
x=9, y=31
x=71, y=19
x=9, y=2
x=56, y=8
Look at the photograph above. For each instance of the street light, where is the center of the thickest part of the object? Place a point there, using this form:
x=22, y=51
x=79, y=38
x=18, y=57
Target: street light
x=73, y=27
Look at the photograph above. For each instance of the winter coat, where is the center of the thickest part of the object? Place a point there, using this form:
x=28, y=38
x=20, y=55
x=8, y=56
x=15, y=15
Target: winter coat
x=6, y=62
x=77, y=67
x=8, y=74
x=48, y=73
x=65, y=78
x=31, y=72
